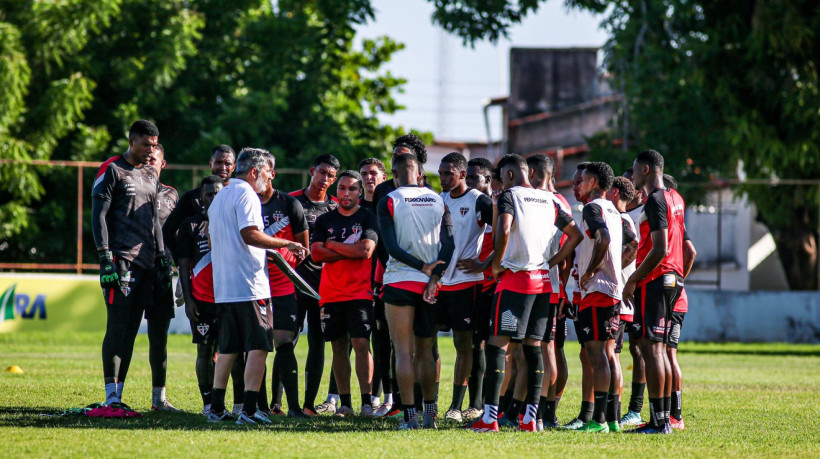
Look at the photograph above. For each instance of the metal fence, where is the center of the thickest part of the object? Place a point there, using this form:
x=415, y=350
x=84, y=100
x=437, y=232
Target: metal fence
x=181, y=176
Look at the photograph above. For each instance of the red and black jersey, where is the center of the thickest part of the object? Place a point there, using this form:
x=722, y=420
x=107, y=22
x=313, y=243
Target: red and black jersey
x=310, y=271
x=193, y=244
x=664, y=209
x=132, y=192
x=283, y=217
x=347, y=279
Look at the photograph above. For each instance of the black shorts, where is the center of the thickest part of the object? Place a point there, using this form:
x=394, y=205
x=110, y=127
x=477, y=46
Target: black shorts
x=245, y=326
x=599, y=323
x=552, y=322
x=139, y=291
x=286, y=313
x=481, y=316
x=162, y=308
x=205, y=329
x=344, y=319
x=676, y=328
x=308, y=307
x=519, y=315
x=653, y=308
x=424, y=320
x=456, y=308
x=561, y=332
x=619, y=338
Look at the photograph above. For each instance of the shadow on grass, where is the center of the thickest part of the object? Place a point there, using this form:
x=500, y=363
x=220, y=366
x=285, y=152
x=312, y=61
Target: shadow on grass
x=42, y=417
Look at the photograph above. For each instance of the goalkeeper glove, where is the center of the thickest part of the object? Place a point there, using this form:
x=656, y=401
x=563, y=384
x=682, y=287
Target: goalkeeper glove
x=163, y=267
x=108, y=270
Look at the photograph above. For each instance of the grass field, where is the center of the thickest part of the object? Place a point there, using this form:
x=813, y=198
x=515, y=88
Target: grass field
x=739, y=400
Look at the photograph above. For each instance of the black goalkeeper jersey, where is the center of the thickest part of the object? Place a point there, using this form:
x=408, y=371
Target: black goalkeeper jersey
x=132, y=192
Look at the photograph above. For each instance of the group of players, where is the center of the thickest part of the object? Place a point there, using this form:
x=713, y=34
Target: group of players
x=490, y=259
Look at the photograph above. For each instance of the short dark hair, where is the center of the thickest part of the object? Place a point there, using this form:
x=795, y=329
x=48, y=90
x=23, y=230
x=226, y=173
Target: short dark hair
x=160, y=148
x=625, y=188
x=212, y=180
x=629, y=170
x=455, y=159
x=651, y=158
x=482, y=164
x=512, y=159
x=670, y=182
x=414, y=143
x=221, y=149
x=352, y=174
x=404, y=159
x=582, y=166
x=541, y=163
x=373, y=161
x=328, y=159
x=143, y=128
x=602, y=173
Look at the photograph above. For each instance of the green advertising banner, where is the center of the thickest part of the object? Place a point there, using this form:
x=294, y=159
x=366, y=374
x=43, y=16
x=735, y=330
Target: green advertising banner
x=51, y=302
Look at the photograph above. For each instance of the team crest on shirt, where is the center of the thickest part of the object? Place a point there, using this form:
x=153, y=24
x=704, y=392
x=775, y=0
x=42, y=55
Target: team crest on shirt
x=357, y=228
x=464, y=210
x=203, y=328
x=278, y=216
x=169, y=203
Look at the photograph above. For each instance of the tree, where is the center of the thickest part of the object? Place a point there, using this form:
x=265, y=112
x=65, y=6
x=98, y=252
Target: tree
x=715, y=87
x=76, y=74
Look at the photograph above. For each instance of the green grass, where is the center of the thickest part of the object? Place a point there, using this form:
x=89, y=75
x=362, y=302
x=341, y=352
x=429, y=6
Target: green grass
x=739, y=400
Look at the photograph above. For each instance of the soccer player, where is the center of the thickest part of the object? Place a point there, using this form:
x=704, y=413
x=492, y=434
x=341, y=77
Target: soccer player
x=127, y=233
x=541, y=171
x=633, y=415
x=479, y=177
x=222, y=164
x=417, y=232
x=241, y=287
x=374, y=174
x=601, y=282
x=678, y=313
x=284, y=218
x=160, y=312
x=587, y=387
x=406, y=144
x=527, y=220
x=196, y=276
x=620, y=195
x=459, y=290
x=656, y=282
x=344, y=240
x=315, y=201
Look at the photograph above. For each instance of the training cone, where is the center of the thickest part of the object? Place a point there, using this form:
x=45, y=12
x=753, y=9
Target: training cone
x=15, y=369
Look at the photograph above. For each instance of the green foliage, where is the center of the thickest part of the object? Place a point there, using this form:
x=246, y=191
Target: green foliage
x=475, y=20
x=714, y=86
x=75, y=75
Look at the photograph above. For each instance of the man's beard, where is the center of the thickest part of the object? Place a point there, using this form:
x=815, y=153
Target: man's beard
x=260, y=185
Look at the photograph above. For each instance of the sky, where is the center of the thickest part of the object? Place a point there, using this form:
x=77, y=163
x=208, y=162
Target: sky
x=447, y=81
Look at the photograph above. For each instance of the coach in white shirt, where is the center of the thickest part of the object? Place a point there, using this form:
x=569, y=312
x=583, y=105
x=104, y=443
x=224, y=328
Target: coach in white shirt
x=241, y=286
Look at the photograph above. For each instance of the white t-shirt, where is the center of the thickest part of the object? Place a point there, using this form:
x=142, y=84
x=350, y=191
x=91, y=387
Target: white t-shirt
x=240, y=270
x=468, y=234
x=417, y=213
